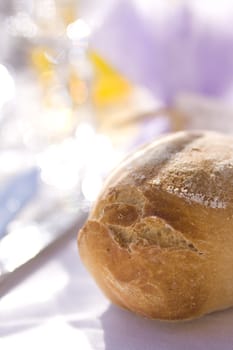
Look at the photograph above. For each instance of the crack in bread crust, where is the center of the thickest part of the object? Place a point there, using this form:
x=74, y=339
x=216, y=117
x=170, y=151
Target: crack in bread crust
x=151, y=231
x=126, y=215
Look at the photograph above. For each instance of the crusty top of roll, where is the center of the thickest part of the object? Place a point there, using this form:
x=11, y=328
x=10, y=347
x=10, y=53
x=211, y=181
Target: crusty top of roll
x=200, y=165
x=163, y=216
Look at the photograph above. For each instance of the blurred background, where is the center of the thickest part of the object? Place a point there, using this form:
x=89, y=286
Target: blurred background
x=84, y=82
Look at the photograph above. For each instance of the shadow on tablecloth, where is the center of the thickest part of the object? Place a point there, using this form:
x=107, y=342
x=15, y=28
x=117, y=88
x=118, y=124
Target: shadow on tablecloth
x=126, y=331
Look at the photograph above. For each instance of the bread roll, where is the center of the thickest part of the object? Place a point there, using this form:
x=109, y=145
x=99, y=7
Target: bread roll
x=159, y=240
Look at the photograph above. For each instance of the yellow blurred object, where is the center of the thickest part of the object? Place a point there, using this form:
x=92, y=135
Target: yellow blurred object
x=108, y=85
x=68, y=13
x=42, y=64
x=77, y=88
x=56, y=117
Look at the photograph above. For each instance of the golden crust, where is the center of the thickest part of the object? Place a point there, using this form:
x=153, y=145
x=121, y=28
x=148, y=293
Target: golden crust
x=159, y=239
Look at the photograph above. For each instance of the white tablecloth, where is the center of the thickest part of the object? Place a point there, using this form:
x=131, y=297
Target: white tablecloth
x=58, y=306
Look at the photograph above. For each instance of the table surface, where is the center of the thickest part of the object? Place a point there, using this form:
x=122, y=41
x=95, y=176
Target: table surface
x=59, y=305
